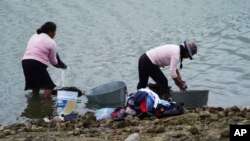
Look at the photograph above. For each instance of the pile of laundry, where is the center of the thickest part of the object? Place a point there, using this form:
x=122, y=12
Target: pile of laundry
x=142, y=103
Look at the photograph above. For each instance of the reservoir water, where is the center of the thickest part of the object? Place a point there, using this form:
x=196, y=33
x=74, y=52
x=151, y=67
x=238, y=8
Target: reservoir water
x=101, y=41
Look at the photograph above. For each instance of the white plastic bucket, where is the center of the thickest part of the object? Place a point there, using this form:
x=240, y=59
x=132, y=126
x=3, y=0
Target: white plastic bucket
x=66, y=102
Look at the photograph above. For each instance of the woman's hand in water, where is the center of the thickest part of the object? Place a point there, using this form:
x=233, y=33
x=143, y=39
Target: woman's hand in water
x=63, y=66
x=60, y=63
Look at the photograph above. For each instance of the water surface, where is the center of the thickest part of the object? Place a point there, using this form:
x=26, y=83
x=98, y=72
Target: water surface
x=101, y=42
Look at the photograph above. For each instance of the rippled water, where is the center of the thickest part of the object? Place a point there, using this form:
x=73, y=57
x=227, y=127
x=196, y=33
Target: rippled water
x=101, y=42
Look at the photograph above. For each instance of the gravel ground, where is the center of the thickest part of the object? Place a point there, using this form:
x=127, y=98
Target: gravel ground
x=205, y=124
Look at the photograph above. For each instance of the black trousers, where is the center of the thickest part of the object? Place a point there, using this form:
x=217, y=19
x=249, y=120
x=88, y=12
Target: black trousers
x=148, y=69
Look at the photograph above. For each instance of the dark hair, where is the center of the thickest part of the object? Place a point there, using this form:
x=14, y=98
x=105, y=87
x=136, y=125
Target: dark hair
x=46, y=28
x=183, y=51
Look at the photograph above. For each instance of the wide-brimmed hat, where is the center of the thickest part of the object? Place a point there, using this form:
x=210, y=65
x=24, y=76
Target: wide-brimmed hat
x=191, y=47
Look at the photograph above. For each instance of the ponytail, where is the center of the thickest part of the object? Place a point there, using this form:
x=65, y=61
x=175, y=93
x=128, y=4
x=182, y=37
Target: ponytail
x=46, y=28
x=39, y=30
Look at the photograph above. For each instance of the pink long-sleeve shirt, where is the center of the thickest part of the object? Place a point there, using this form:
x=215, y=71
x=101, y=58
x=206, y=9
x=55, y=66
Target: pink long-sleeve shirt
x=166, y=55
x=41, y=48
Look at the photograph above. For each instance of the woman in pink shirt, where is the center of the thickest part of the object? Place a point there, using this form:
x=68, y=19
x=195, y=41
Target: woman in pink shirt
x=165, y=55
x=41, y=49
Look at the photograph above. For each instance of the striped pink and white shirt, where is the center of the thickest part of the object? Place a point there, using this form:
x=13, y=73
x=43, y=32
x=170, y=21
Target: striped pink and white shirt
x=41, y=48
x=166, y=55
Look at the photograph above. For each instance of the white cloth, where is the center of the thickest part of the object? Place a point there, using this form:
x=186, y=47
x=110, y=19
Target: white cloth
x=152, y=95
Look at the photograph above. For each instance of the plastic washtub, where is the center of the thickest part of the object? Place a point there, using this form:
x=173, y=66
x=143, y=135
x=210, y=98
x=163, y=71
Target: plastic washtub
x=111, y=94
x=191, y=98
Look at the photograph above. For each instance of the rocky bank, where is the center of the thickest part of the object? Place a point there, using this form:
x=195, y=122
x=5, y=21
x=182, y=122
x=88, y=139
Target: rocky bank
x=199, y=124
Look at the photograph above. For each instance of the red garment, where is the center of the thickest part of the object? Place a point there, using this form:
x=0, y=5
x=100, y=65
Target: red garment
x=143, y=106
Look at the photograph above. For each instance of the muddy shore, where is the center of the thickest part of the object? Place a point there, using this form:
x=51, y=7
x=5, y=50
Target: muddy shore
x=207, y=123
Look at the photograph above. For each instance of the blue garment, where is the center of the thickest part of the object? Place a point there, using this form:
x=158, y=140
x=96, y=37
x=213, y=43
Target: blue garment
x=150, y=103
x=139, y=97
x=165, y=103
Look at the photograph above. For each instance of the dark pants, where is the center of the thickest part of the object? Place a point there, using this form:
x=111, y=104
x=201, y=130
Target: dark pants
x=148, y=69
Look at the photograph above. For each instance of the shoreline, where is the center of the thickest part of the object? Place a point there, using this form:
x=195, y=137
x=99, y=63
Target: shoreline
x=207, y=123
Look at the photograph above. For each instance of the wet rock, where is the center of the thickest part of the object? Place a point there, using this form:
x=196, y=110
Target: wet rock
x=235, y=109
x=132, y=121
x=221, y=114
x=56, y=119
x=70, y=133
x=149, y=129
x=13, y=132
x=158, y=139
x=159, y=129
x=225, y=132
x=188, y=118
x=244, y=122
x=6, y=132
x=194, y=130
x=204, y=115
x=1, y=128
x=213, y=135
x=214, y=117
x=248, y=115
x=135, y=129
x=76, y=132
x=121, y=124
x=133, y=137
x=243, y=112
x=41, y=122
x=27, y=126
x=21, y=129
x=2, y=135
x=179, y=134
x=215, y=109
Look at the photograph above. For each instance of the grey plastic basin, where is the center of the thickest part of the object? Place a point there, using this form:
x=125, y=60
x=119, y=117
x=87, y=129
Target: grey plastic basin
x=111, y=94
x=191, y=98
